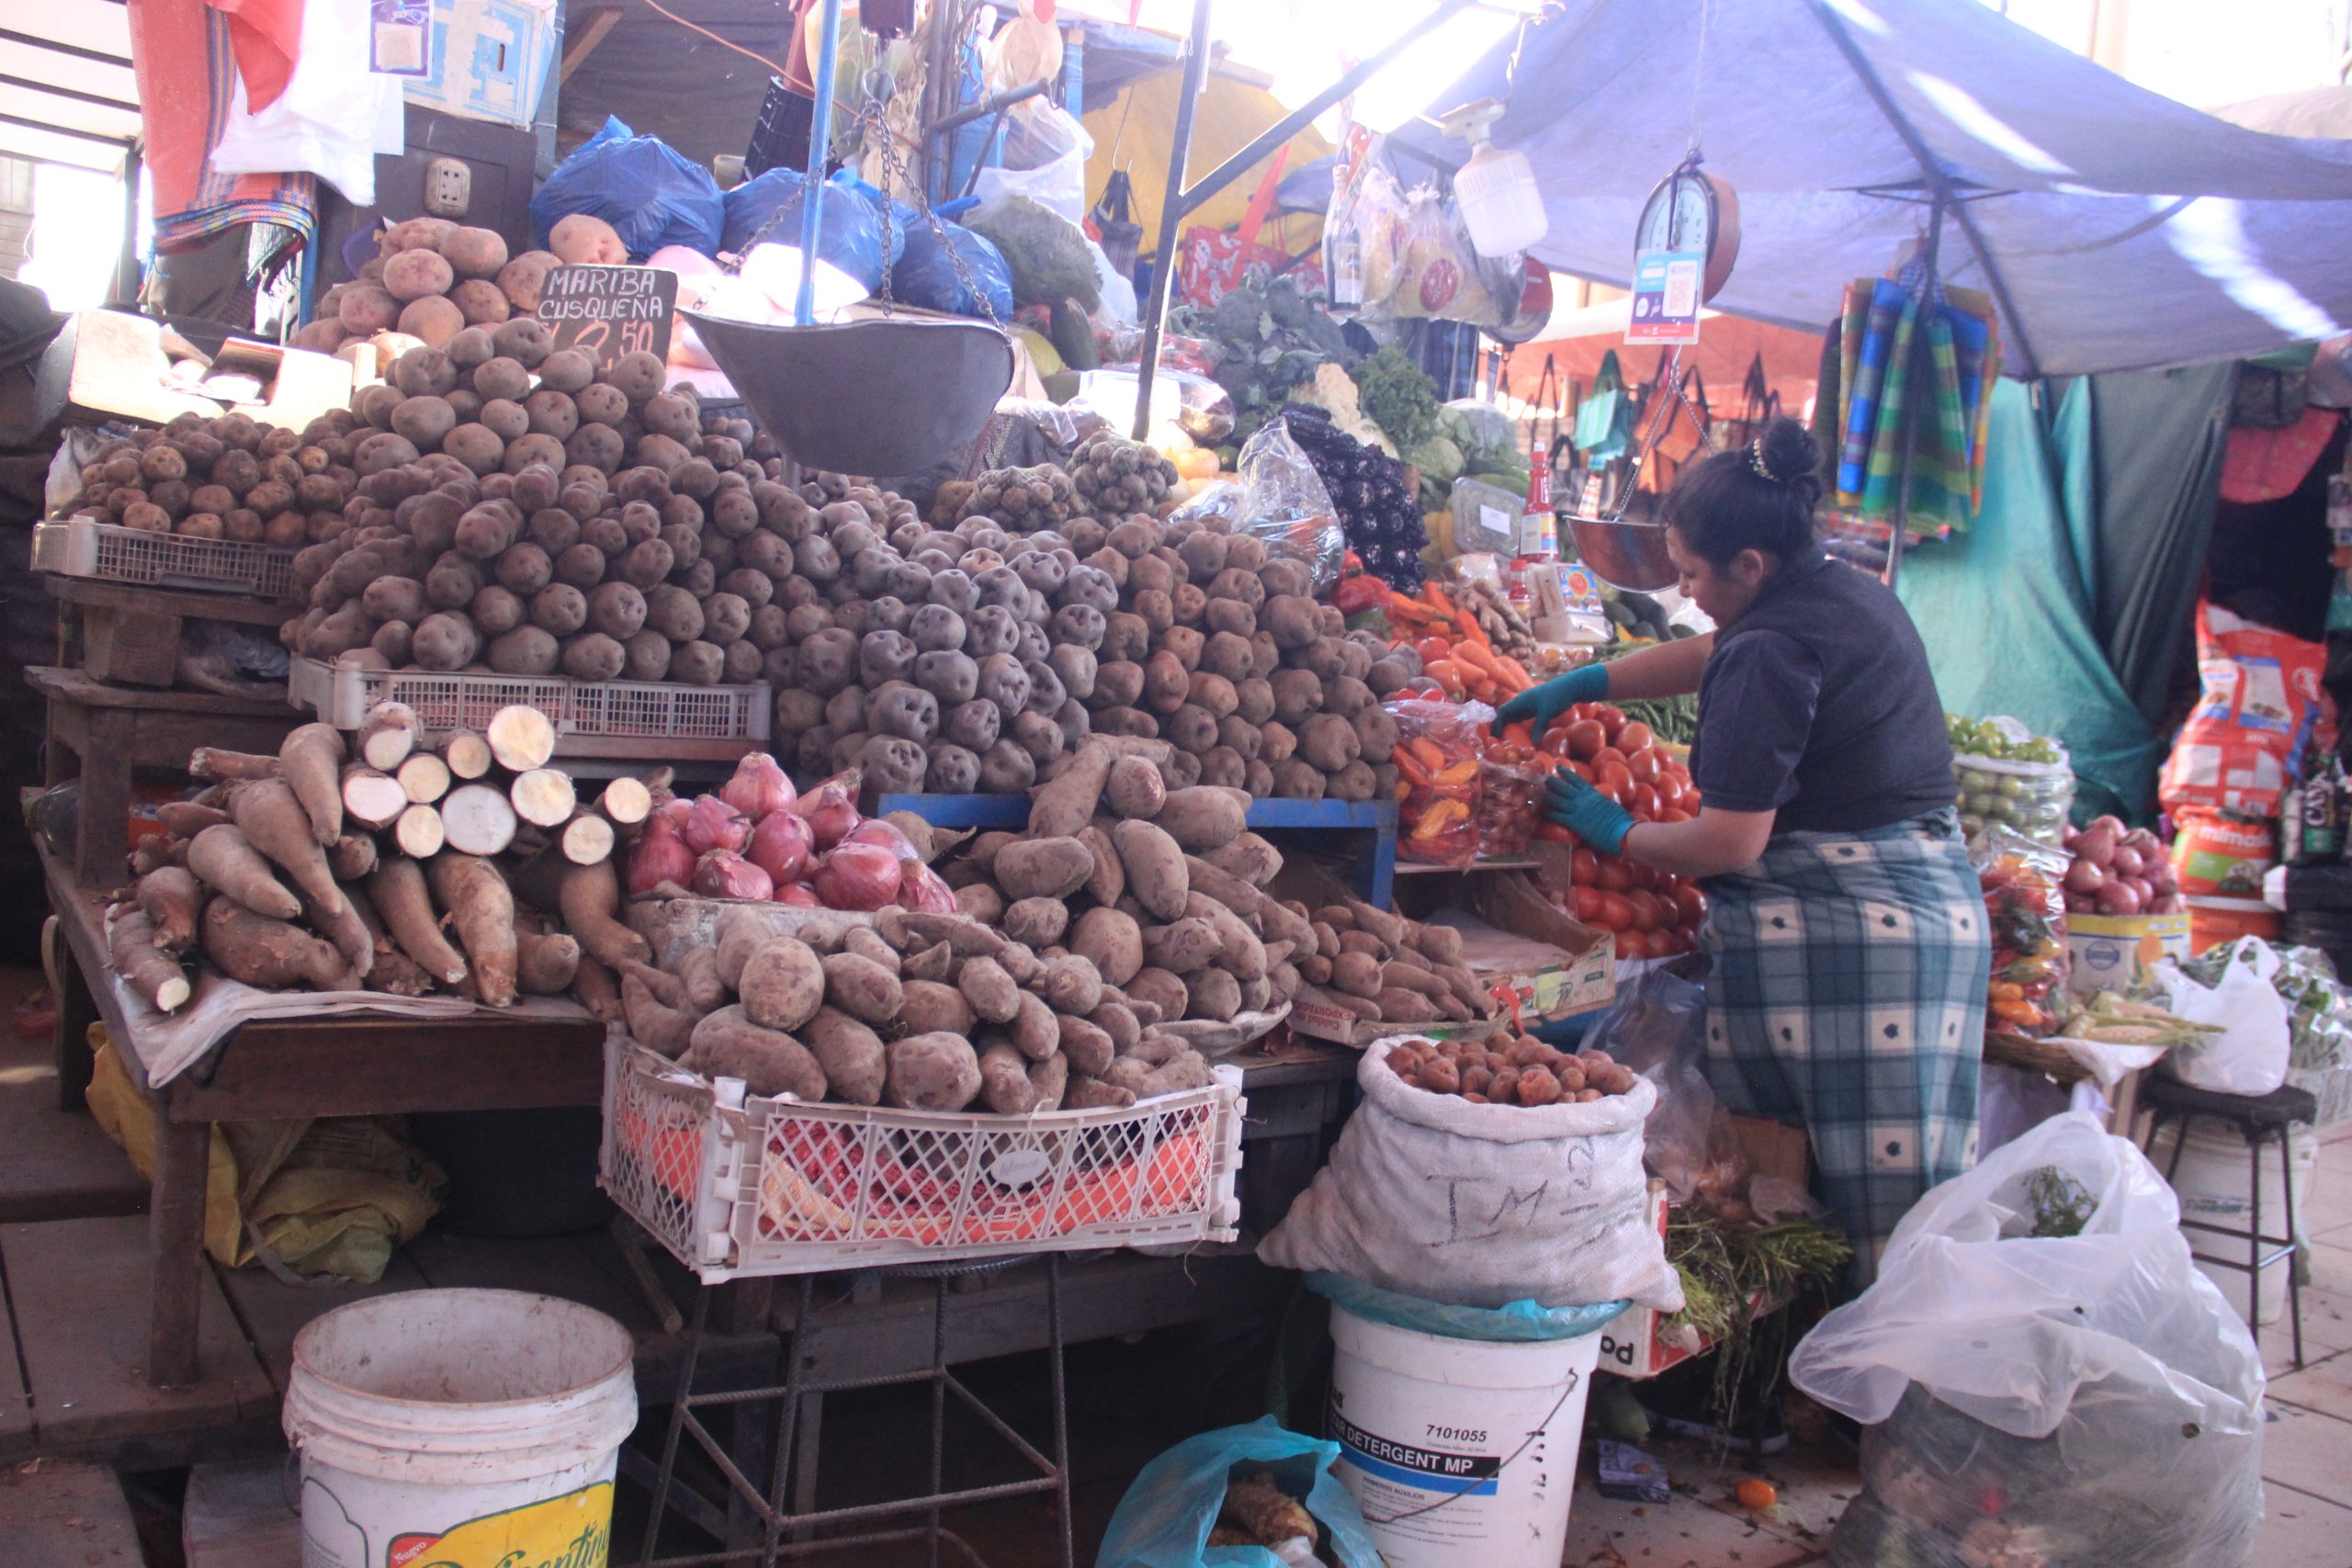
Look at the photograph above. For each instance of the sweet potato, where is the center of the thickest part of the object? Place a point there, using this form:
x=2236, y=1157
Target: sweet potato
x=1033, y=1029
x=135, y=945
x=1154, y=864
x=1066, y=804
x=665, y=1030
x=1239, y=949
x=727, y=1044
x=274, y=822
x=172, y=900
x=310, y=762
x=850, y=1054
x=482, y=909
x=931, y=1007
x=782, y=983
x=545, y=963
x=1086, y=1093
x=862, y=987
x=341, y=925
x=932, y=1072
x=1088, y=1044
x=1037, y=922
x=1043, y=867
x=1181, y=946
x=267, y=952
x=1005, y=1088
x=398, y=891
x=990, y=989
x=1049, y=1080
x=589, y=900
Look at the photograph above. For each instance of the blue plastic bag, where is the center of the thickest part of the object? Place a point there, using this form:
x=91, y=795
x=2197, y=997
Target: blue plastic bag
x=849, y=235
x=1520, y=1323
x=925, y=275
x=1165, y=1518
x=649, y=193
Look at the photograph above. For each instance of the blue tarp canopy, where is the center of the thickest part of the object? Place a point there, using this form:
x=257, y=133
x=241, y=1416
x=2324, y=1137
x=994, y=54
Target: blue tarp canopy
x=2122, y=230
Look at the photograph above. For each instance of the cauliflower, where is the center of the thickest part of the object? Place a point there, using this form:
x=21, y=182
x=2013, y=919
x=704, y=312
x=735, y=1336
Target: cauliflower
x=1334, y=391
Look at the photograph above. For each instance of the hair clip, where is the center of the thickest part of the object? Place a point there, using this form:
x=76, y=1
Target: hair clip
x=1755, y=461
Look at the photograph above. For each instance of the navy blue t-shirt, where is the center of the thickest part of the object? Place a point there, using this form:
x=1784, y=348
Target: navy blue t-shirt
x=1817, y=705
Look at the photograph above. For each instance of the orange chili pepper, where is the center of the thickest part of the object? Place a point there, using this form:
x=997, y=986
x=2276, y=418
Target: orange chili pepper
x=1477, y=656
x=1409, y=767
x=1460, y=772
x=1431, y=756
x=1439, y=817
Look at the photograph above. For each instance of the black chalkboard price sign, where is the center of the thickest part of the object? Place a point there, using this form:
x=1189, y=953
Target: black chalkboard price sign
x=607, y=312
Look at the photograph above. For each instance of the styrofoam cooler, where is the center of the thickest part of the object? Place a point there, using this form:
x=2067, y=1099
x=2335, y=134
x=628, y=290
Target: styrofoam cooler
x=2213, y=1184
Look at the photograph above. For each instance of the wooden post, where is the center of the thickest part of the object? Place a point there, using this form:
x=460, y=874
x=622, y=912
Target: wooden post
x=176, y=1245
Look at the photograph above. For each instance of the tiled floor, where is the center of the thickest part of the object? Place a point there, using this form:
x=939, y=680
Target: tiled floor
x=2306, y=1449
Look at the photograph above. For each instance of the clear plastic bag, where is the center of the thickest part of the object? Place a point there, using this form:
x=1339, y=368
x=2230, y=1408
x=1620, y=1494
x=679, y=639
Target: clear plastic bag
x=1506, y=807
x=2031, y=798
x=1285, y=506
x=2047, y=1377
x=1439, y=760
x=2024, y=883
x=1045, y=150
x=1166, y=1517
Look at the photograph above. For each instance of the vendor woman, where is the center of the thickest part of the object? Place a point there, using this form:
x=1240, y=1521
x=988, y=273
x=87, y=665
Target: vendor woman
x=1849, y=939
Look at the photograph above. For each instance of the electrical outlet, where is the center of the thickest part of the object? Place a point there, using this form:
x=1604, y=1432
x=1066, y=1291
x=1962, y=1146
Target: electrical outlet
x=449, y=187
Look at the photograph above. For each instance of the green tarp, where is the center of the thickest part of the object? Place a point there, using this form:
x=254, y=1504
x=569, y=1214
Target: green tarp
x=2065, y=608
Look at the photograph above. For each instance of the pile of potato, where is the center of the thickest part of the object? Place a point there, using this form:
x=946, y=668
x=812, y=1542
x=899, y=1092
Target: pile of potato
x=976, y=655
x=518, y=510
x=1384, y=968
x=433, y=279
x=228, y=478
x=1521, y=1070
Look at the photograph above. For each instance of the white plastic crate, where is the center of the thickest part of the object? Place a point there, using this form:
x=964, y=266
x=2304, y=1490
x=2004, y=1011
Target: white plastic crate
x=761, y=1186
x=342, y=694
x=83, y=547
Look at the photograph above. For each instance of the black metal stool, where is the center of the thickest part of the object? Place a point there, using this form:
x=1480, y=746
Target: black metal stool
x=786, y=1534
x=2259, y=1119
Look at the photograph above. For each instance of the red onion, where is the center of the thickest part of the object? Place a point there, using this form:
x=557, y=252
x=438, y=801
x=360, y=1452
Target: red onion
x=2097, y=844
x=831, y=809
x=923, y=890
x=758, y=786
x=2110, y=825
x=675, y=808
x=782, y=845
x=874, y=830
x=660, y=856
x=2143, y=887
x=2080, y=904
x=712, y=824
x=2118, y=897
x=2162, y=878
x=2124, y=862
x=2168, y=904
x=800, y=894
x=722, y=874
x=857, y=876
x=2085, y=876
x=2147, y=844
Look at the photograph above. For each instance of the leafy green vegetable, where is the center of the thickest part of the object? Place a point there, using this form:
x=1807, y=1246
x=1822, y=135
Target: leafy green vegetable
x=1437, y=459
x=1044, y=251
x=1399, y=396
x=1270, y=337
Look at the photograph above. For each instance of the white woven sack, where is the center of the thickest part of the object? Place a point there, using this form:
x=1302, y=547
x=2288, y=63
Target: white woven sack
x=1481, y=1206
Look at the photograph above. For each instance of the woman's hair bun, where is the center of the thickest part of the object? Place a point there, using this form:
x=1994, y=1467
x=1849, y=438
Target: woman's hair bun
x=1785, y=452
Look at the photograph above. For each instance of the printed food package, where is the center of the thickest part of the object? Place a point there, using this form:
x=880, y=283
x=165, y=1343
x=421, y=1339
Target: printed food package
x=2260, y=704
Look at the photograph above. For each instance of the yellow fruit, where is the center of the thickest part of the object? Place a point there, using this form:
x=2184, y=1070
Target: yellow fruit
x=1041, y=353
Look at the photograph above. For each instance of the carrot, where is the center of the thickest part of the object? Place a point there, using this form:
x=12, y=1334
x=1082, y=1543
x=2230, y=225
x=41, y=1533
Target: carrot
x=1434, y=592
x=1515, y=670
x=1477, y=656
x=1471, y=630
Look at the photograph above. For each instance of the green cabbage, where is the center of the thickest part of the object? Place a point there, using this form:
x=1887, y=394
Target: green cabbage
x=1438, y=458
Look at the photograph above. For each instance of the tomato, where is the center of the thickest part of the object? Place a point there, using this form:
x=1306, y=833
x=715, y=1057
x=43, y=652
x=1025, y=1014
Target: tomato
x=1690, y=904
x=1584, y=868
x=1632, y=945
x=1583, y=738
x=1643, y=765
x=1584, y=903
x=1556, y=833
x=1608, y=754
x=1645, y=803
x=1612, y=720
x=1615, y=913
x=1432, y=649
x=1615, y=874
x=1611, y=780
x=1673, y=814
x=1676, y=943
x=1649, y=911
x=1634, y=736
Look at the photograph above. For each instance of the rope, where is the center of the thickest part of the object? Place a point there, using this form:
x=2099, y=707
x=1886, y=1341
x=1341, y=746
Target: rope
x=656, y=6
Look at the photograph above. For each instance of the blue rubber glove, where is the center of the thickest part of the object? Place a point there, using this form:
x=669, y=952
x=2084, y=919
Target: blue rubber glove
x=1542, y=704
x=1585, y=811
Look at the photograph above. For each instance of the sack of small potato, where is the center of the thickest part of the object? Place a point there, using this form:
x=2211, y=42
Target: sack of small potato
x=1481, y=1206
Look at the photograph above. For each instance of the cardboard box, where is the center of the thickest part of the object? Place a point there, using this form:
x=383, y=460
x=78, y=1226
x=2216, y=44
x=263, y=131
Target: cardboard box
x=2113, y=952
x=1323, y=1019
x=488, y=60
x=113, y=365
x=1639, y=1342
x=1581, y=978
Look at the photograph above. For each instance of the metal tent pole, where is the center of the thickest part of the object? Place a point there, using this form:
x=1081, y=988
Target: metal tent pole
x=820, y=136
x=1178, y=199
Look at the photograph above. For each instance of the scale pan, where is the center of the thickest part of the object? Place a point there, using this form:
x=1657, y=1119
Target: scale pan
x=1626, y=554
x=880, y=396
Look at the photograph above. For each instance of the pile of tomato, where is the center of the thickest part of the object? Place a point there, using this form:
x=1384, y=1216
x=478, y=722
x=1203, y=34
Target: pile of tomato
x=1655, y=914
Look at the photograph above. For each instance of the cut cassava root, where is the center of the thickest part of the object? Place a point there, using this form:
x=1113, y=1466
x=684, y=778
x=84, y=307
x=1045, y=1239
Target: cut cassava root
x=478, y=820
x=520, y=738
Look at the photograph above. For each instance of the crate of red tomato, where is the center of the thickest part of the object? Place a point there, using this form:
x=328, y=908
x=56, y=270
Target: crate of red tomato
x=1654, y=913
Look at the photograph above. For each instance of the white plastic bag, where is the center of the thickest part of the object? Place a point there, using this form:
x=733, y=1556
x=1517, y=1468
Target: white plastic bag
x=332, y=118
x=2046, y=1399
x=1483, y=1205
x=2249, y=1056
x=1045, y=150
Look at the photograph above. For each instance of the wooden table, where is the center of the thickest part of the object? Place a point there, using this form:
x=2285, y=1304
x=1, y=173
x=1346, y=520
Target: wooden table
x=130, y=632
x=99, y=734
x=289, y=1067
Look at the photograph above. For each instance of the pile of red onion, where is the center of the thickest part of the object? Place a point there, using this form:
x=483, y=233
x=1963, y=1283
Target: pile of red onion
x=2118, y=871
x=757, y=837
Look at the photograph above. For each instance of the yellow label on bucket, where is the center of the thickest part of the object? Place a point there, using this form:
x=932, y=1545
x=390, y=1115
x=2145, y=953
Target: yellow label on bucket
x=570, y=1531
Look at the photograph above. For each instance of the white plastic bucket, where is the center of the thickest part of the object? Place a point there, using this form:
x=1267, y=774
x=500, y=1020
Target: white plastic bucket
x=459, y=1429
x=2212, y=1185
x=1458, y=1451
